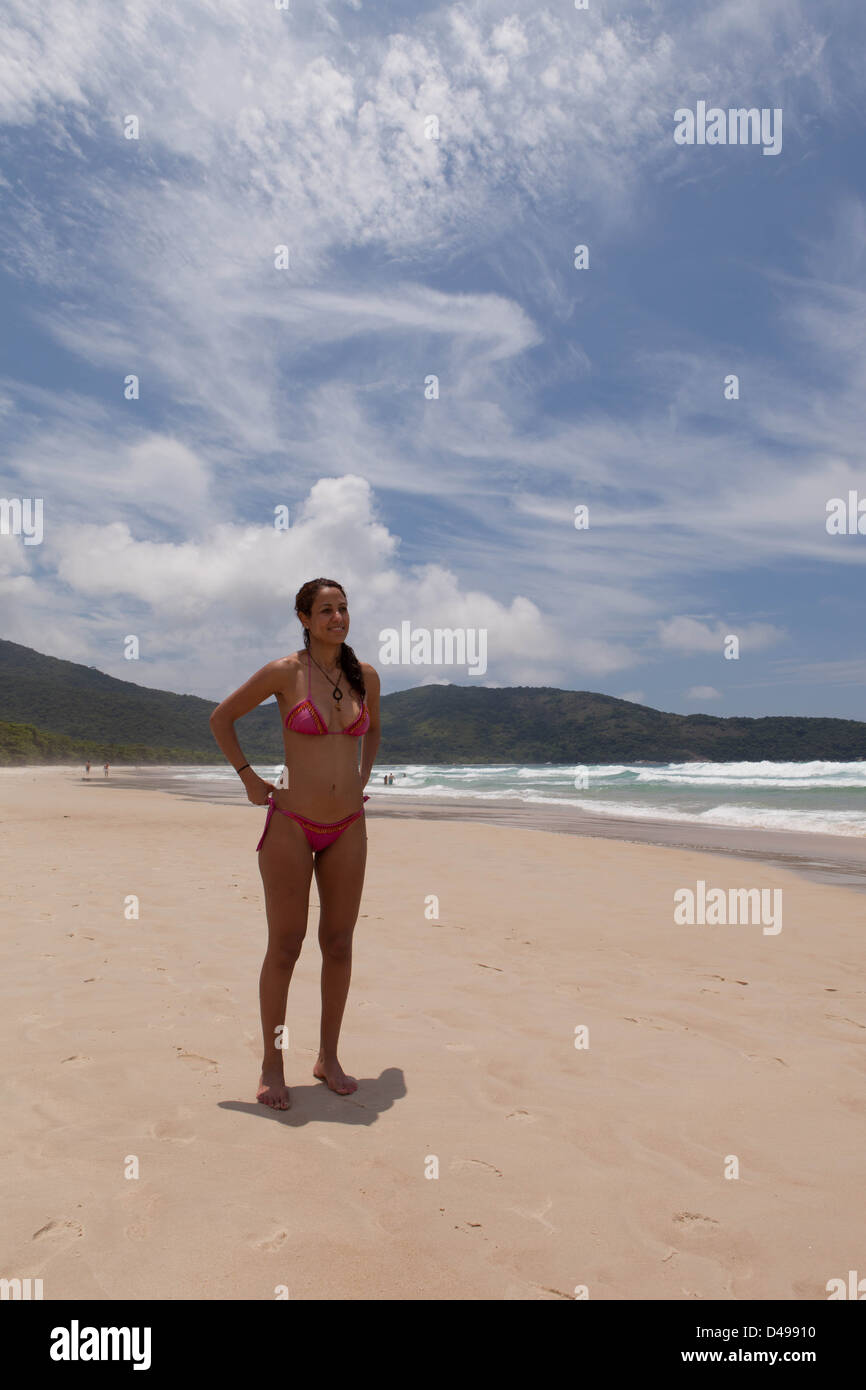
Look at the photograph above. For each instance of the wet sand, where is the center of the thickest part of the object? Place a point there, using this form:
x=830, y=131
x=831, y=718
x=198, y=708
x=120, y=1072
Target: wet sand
x=822, y=858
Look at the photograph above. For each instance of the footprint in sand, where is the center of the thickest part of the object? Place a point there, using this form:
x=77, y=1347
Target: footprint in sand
x=175, y=1130
x=195, y=1058
x=78, y=1059
x=659, y=1027
x=276, y=1242
x=693, y=1221
x=479, y=1162
x=140, y=1229
x=59, y=1227
x=803, y=1288
x=522, y=1115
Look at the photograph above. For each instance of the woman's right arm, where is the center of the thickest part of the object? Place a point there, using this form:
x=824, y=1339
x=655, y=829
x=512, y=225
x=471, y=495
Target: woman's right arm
x=249, y=696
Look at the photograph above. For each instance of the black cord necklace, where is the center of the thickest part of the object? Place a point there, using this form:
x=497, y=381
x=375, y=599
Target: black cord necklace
x=337, y=692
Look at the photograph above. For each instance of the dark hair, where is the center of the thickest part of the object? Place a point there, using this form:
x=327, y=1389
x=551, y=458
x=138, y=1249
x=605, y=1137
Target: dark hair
x=349, y=663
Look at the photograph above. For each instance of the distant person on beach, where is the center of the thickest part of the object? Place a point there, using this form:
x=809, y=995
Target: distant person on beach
x=322, y=691
x=87, y=769
x=105, y=770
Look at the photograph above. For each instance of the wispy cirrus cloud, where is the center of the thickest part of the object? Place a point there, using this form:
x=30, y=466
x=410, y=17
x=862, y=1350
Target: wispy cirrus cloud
x=412, y=258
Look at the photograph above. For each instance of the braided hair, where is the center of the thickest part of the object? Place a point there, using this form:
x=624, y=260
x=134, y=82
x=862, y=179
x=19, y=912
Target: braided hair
x=349, y=663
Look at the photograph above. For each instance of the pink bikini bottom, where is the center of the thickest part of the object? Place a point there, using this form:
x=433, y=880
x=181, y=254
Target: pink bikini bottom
x=318, y=836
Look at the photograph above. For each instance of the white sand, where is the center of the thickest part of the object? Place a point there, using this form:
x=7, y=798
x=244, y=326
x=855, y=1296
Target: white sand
x=558, y=1167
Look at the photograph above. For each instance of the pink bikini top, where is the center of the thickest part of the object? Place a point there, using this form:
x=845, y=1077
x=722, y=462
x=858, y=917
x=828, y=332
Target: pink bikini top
x=305, y=718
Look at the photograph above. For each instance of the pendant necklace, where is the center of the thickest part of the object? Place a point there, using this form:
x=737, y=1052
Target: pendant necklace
x=337, y=692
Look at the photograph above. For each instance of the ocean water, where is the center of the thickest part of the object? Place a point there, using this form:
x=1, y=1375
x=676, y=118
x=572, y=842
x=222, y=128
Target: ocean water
x=815, y=797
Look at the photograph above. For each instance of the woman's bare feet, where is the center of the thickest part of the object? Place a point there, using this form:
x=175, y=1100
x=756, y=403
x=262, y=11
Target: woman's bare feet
x=273, y=1090
x=329, y=1070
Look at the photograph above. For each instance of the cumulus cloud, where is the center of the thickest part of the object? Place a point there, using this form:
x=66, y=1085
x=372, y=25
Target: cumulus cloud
x=208, y=603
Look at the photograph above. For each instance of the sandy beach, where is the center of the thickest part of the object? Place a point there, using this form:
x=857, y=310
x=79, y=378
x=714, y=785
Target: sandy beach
x=561, y=1168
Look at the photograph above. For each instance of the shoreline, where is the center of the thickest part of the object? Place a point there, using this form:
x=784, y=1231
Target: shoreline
x=830, y=859
x=823, y=858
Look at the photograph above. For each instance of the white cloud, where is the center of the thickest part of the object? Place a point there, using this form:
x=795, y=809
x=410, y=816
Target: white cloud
x=703, y=692
x=687, y=634
x=206, y=605
x=308, y=128
x=510, y=37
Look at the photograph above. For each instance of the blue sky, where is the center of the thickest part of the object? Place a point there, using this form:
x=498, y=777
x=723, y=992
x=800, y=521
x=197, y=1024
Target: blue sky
x=454, y=257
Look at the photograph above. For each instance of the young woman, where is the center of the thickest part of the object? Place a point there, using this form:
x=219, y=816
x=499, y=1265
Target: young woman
x=329, y=707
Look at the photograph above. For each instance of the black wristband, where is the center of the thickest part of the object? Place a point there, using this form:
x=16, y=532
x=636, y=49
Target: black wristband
x=240, y=769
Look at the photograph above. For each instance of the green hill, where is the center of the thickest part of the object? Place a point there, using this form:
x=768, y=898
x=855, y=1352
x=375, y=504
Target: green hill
x=62, y=697
x=22, y=745
x=44, y=699
x=530, y=724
